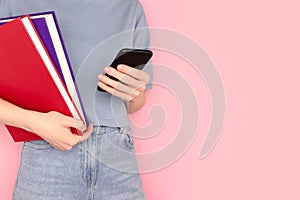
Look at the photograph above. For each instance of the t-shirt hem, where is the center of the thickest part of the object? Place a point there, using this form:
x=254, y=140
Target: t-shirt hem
x=113, y=122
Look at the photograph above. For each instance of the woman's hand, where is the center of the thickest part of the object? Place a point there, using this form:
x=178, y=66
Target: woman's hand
x=54, y=128
x=132, y=82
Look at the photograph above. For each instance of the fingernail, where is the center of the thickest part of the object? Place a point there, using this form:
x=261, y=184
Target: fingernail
x=100, y=76
x=83, y=129
x=119, y=66
x=106, y=69
x=137, y=93
x=131, y=98
x=142, y=88
x=80, y=124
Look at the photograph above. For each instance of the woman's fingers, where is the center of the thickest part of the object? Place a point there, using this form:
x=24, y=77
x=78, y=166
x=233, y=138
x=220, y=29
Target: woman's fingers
x=54, y=127
x=125, y=78
x=135, y=73
x=72, y=139
x=75, y=123
x=115, y=92
x=130, y=84
x=87, y=133
x=66, y=120
x=118, y=85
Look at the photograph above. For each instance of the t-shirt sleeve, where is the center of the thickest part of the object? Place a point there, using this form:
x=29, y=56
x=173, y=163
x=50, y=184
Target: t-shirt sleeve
x=142, y=38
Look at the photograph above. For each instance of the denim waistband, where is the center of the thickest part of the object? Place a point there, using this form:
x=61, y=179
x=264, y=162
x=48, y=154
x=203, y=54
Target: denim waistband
x=104, y=129
x=108, y=129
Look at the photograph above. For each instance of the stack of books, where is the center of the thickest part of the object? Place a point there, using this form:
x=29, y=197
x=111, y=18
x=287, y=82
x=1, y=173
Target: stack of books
x=35, y=72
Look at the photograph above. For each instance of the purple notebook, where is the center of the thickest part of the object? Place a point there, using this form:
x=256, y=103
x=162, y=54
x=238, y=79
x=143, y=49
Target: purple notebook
x=48, y=29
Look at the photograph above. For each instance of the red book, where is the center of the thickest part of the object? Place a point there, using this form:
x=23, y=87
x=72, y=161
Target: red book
x=28, y=77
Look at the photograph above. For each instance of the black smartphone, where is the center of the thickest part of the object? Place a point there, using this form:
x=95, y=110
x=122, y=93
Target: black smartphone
x=136, y=58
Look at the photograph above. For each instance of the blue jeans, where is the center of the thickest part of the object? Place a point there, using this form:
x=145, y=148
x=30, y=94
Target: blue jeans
x=102, y=167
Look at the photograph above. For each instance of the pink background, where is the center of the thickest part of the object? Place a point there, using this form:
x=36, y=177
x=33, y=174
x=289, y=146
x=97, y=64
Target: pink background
x=255, y=45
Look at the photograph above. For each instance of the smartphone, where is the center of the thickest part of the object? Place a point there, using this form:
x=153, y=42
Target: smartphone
x=136, y=58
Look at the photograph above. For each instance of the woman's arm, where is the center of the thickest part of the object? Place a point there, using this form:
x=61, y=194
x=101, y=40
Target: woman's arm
x=13, y=115
x=52, y=126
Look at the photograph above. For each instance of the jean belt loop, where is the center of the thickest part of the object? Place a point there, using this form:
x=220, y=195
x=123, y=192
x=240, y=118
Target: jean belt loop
x=97, y=129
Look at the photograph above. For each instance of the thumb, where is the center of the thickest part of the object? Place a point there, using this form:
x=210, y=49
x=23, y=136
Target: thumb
x=87, y=133
x=75, y=123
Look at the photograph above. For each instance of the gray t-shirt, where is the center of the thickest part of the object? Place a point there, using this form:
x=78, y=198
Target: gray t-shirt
x=93, y=32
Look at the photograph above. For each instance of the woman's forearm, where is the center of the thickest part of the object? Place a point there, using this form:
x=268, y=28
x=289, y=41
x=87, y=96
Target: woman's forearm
x=13, y=115
x=53, y=127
